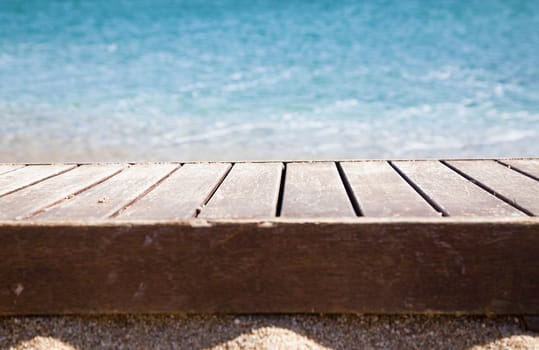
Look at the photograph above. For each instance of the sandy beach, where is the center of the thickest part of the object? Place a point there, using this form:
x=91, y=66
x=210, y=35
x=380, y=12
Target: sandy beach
x=265, y=332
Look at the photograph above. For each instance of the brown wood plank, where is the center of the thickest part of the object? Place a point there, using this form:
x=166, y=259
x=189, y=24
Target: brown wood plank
x=517, y=188
x=28, y=175
x=384, y=267
x=249, y=191
x=6, y=168
x=180, y=195
x=382, y=192
x=528, y=166
x=315, y=190
x=27, y=201
x=110, y=196
x=453, y=193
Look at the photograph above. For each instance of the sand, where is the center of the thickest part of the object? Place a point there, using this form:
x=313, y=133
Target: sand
x=265, y=332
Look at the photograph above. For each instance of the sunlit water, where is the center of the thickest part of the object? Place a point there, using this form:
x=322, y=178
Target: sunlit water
x=208, y=80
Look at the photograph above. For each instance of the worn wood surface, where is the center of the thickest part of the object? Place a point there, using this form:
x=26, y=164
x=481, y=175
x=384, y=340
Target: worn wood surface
x=369, y=267
x=29, y=175
x=28, y=201
x=381, y=192
x=315, y=190
x=179, y=196
x=109, y=197
x=264, y=190
x=6, y=168
x=513, y=186
x=353, y=236
x=249, y=191
x=453, y=193
x=528, y=166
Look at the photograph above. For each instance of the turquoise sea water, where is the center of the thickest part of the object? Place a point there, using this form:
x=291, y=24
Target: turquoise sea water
x=203, y=80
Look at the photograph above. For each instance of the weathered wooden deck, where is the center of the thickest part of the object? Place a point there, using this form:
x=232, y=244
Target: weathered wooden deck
x=456, y=236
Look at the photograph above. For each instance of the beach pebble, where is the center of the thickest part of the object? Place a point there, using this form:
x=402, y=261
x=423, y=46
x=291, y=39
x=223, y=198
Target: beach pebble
x=220, y=332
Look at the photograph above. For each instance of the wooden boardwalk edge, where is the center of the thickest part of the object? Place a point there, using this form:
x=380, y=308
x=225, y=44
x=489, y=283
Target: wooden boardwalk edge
x=440, y=265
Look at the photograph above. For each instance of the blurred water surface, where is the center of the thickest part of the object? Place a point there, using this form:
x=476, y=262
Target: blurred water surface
x=232, y=79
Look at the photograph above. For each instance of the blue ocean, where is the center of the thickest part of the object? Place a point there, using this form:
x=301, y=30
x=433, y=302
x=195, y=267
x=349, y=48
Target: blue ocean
x=95, y=80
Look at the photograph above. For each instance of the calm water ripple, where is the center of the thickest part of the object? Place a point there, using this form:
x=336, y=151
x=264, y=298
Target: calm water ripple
x=229, y=79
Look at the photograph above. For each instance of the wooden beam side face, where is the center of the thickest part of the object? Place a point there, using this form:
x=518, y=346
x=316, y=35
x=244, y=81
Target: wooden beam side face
x=473, y=268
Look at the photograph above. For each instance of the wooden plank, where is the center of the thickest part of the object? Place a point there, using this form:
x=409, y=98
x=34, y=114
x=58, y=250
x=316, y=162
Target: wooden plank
x=453, y=193
x=382, y=192
x=109, y=197
x=385, y=267
x=249, y=191
x=29, y=200
x=515, y=187
x=528, y=166
x=31, y=174
x=6, y=168
x=315, y=190
x=180, y=195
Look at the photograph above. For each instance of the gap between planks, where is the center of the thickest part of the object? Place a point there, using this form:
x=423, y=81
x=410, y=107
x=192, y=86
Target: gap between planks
x=343, y=176
x=489, y=189
x=529, y=169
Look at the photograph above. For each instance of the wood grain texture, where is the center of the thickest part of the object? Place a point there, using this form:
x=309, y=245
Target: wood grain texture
x=384, y=267
x=5, y=168
x=515, y=187
x=180, y=195
x=29, y=200
x=315, y=190
x=249, y=191
x=31, y=174
x=382, y=192
x=528, y=166
x=453, y=193
x=110, y=196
